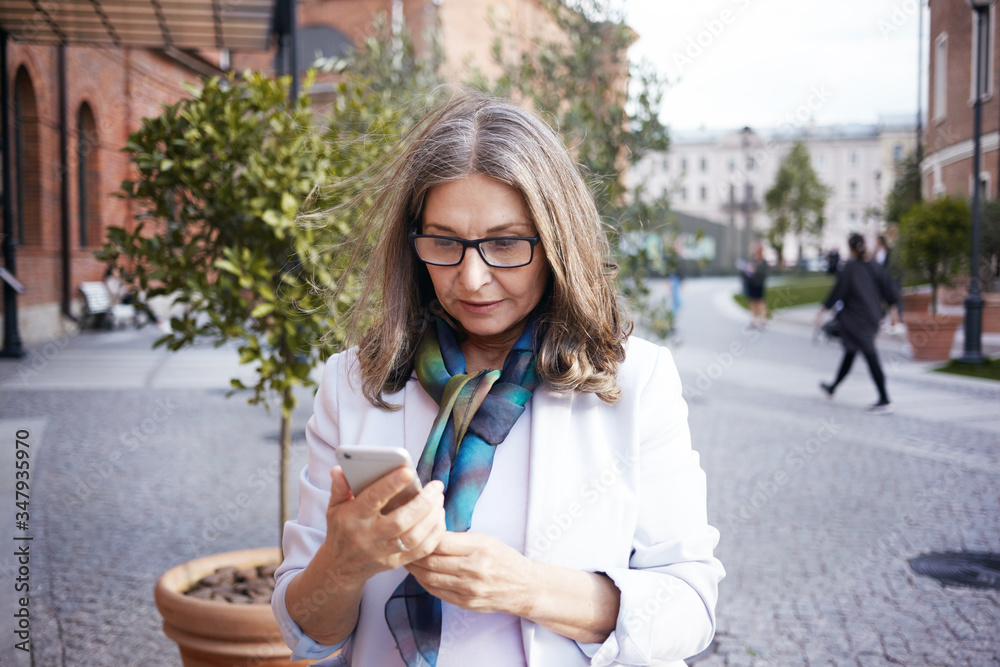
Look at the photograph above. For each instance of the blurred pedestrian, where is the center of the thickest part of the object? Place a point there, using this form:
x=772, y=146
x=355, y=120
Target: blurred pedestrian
x=755, y=277
x=861, y=287
x=889, y=261
x=832, y=261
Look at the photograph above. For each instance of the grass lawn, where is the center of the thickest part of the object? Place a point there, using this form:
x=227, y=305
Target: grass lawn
x=989, y=370
x=793, y=290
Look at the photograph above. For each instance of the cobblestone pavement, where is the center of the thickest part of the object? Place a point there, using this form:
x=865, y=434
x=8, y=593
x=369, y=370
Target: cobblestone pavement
x=138, y=460
x=821, y=505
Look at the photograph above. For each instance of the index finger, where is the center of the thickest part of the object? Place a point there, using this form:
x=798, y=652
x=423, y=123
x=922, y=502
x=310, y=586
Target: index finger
x=382, y=490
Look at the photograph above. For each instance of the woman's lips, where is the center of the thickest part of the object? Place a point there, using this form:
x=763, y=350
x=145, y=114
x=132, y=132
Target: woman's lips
x=480, y=307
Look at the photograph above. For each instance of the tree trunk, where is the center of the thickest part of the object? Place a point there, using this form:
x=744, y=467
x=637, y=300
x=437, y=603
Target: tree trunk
x=285, y=503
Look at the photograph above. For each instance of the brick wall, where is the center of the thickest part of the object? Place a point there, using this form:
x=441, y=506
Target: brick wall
x=948, y=162
x=119, y=87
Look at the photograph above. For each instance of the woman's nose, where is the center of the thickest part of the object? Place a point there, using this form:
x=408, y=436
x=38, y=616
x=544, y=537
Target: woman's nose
x=474, y=271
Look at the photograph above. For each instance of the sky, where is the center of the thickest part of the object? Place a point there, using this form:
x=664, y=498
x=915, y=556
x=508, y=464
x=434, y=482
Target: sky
x=732, y=63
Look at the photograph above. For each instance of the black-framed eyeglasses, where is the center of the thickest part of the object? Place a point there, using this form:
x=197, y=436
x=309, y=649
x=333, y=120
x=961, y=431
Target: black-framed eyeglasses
x=503, y=252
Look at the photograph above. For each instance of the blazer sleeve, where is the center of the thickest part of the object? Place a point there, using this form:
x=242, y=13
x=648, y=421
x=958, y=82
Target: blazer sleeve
x=669, y=590
x=303, y=536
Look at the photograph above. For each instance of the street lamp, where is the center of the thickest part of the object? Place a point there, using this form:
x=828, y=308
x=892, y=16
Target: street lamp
x=974, y=301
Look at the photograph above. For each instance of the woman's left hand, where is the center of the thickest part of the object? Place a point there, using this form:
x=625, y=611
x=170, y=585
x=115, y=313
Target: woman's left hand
x=477, y=572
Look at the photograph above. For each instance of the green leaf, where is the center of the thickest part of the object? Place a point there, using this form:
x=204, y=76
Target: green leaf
x=262, y=309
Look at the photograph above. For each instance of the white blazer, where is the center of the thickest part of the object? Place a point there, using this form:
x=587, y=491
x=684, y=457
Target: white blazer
x=614, y=489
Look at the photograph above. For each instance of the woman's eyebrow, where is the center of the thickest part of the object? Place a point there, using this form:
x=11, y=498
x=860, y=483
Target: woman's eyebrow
x=503, y=227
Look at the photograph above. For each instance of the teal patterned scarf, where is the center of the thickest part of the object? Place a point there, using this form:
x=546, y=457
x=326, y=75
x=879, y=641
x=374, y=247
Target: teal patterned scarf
x=476, y=412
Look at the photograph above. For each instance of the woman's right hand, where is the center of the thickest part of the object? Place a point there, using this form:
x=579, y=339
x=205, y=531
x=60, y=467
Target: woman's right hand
x=361, y=541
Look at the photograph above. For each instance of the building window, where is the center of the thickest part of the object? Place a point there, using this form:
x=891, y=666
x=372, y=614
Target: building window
x=732, y=164
x=853, y=189
x=821, y=160
x=749, y=192
x=88, y=177
x=27, y=168
x=684, y=194
x=940, y=76
x=749, y=162
x=704, y=164
x=854, y=159
x=852, y=218
x=988, y=62
x=684, y=164
x=897, y=153
x=732, y=193
x=666, y=164
x=704, y=193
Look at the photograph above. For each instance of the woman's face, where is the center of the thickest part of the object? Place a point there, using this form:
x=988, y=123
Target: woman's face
x=490, y=303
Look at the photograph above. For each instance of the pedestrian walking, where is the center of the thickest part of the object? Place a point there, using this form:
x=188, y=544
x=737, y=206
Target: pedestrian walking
x=755, y=277
x=492, y=346
x=862, y=286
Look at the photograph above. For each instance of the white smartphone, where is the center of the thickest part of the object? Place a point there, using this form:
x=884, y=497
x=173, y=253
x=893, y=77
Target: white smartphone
x=365, y=464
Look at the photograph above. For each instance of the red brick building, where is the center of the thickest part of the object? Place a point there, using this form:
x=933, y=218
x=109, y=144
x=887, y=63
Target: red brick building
x=108, y=91
x=107, y=65
x=947, y=164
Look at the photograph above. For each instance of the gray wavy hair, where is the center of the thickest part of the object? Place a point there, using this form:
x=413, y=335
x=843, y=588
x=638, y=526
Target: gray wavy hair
x=583, y=324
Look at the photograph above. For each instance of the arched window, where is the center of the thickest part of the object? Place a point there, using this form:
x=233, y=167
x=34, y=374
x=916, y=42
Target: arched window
x=27, y=193
x=88, y=176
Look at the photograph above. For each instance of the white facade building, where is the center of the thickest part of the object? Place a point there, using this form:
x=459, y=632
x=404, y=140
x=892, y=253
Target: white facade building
x=722, y=176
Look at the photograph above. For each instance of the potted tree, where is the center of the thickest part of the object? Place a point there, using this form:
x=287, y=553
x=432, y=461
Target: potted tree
x=934, y=239
x=222, y=179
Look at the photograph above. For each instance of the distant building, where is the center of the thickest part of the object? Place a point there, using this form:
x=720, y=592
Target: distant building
x=722, y=176
x=947, y=164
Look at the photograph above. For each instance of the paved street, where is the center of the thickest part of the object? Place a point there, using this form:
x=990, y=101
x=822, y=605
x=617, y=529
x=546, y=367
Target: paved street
x=821, y=505
x=137, y=457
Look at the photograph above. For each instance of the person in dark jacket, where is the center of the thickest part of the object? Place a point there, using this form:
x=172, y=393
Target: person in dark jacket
x=755, y=277
x=861, y=287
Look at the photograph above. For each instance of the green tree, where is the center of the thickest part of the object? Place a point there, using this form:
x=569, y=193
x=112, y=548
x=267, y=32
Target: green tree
x=579, y=78
x=905, y=189
x=222, y=179
x=935, y=239
x=796, y=202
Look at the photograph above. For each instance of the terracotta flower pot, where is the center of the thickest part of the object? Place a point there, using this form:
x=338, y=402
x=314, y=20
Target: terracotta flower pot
x=956, y=293
x=212, y=633
x=916, y=302
x=931, y=336
x=991, y=312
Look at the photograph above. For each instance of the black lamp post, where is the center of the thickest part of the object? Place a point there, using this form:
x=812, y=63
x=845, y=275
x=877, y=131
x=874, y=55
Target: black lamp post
x=974, y=301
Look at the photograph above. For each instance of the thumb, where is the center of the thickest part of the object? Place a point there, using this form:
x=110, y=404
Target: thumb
x=340, y=491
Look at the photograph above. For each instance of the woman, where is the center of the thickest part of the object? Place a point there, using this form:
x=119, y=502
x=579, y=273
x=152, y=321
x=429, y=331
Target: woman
x=573, y=528
x=861, y=287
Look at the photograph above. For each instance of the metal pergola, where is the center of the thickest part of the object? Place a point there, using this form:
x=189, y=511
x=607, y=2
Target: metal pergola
x=172, y=26
x=154, y=24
